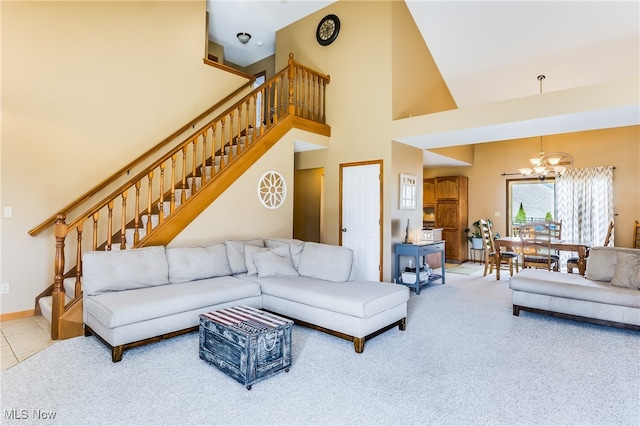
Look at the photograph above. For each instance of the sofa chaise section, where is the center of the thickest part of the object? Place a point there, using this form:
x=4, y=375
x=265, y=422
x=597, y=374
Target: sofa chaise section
x=607, y=294
x=320, y=293
x=352, y=310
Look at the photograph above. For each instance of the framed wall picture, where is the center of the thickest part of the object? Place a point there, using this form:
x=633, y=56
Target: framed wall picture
x=408, y=192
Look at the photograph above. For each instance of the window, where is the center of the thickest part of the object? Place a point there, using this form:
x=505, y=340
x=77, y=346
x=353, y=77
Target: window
x=530, y=200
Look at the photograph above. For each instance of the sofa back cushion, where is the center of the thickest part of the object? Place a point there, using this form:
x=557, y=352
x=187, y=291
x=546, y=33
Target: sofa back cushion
x=197, y=263
x=627, y=271
x=602, y=262
x=295, y=247
x=235, y=254
x=274, y=262
x=105, y=271
x=249, y=251
x=326, y=262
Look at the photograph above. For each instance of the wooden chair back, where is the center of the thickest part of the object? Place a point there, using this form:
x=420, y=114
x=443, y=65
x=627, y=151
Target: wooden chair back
x=555, y=229
x=489, y=253
x=572, y=262
x=607, y=239
x=490, y=258
x=535, y=238
x=636, y=233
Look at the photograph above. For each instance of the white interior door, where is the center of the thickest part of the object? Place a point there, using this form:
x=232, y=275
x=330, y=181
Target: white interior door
x=361, y=218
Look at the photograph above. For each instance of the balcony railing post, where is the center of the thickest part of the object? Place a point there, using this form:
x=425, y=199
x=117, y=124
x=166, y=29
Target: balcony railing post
x=58, y=296
x=292, y=75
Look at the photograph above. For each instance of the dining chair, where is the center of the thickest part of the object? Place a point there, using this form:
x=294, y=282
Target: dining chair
x=555, y=229
x=535, y=238
x=636, y=233
x=572, y=262
x=507, y=258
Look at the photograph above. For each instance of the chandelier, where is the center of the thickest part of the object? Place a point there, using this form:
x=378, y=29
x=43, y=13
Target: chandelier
x=551, y=164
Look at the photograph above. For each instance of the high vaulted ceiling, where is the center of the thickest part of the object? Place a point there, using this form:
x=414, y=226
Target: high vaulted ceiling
x=486, y=51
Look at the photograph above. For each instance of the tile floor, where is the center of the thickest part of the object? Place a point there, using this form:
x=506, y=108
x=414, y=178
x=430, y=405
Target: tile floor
x=22, y=338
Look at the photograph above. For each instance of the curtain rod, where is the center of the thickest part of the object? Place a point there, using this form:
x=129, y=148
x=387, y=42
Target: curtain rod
x=514, y=174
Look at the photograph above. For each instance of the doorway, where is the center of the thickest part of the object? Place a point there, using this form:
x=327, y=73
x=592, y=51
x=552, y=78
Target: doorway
x=308, y=190
x=361, y=216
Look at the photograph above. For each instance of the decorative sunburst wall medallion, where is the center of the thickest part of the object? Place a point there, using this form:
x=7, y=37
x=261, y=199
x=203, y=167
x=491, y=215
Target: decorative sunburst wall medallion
x=272, y=190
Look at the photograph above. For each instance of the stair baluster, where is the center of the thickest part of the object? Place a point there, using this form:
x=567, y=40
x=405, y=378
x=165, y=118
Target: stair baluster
x=123, y=222
x=161, y=202
x=78, y=282
x=57, y=307
x=172, y=196
x=110, y=225
x=136, y=216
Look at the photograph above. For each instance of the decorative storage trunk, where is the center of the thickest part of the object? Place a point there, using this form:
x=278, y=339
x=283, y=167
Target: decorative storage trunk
x=246, y=343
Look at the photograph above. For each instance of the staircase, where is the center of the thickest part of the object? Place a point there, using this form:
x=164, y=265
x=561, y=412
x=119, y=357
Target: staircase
x=155, y=205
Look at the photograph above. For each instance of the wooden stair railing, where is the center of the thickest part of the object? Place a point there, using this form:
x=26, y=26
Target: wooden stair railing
x=144, y=156
x=135, y=213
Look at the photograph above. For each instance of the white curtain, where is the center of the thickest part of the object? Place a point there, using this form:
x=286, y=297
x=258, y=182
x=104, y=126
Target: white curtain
x=584, y=203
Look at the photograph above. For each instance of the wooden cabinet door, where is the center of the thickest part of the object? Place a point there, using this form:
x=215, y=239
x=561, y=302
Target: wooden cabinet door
x=447, y=188
x=452, y=246
x=447, y=215
x=428, y=191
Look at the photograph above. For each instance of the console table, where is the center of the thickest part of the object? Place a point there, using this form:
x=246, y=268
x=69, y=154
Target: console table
x=418, y=251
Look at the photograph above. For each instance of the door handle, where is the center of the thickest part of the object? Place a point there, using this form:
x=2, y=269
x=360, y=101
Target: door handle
x=344, y=229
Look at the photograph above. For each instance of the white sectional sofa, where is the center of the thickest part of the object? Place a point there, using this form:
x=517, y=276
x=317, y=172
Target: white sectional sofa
x=139, y=296
x=609, y=293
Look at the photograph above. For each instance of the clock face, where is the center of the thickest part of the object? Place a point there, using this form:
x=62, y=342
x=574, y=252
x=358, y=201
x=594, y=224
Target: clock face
x=328, y=29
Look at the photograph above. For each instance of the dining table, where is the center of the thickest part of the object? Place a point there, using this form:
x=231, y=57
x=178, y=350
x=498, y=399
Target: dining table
x=582, y=248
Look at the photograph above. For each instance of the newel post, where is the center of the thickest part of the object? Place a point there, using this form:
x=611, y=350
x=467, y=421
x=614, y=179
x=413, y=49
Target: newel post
x=292, y=74
x=58, y=297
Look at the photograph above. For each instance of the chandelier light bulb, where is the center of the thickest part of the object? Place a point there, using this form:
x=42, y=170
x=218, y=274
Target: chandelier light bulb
x=554, y=161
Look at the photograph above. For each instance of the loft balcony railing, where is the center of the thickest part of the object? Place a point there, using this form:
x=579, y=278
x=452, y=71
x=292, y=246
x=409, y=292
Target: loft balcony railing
x=137, y=210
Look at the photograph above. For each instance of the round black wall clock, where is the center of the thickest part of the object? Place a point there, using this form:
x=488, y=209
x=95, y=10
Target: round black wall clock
x=328, y=30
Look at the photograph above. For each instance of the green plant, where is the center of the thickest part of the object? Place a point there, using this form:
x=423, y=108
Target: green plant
x=477, y=232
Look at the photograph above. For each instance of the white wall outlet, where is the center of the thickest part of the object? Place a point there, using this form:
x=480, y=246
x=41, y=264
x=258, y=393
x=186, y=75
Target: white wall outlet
x=4, y=288
x=496, y=214
x=8, y=211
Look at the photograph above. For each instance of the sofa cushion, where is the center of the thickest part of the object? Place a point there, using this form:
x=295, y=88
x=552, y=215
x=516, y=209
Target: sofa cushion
x=131, y=306
x=249, y=250
x=235, y=254
x=196, y=263
x=573, y=286
x=627, y=273
x=360, y=299
x=601, y=263
x=105, y=271
x=326, y=262
x=295, y=247
x=275, y=263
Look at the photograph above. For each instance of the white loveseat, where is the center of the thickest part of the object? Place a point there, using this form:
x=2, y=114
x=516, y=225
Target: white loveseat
x=139, y=296
x=609, y=293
